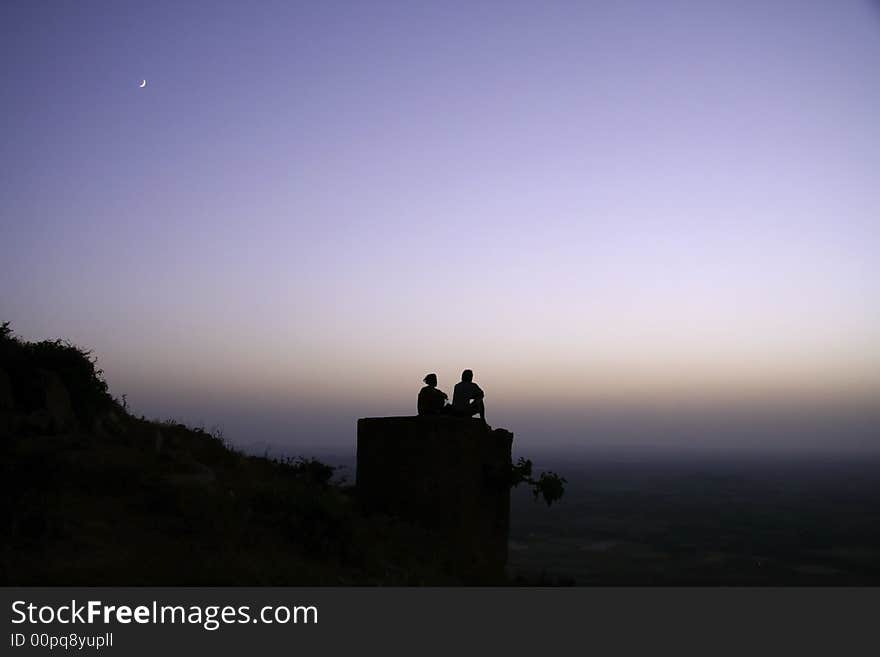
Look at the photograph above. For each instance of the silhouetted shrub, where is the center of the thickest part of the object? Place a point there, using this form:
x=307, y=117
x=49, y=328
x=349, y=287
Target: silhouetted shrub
x=23, y=361
x=548, y=485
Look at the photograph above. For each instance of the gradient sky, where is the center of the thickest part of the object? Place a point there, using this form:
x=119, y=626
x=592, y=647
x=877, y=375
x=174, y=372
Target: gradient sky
x=603, y=208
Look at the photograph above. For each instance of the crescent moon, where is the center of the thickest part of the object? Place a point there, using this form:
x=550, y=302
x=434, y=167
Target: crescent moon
x=143, y=84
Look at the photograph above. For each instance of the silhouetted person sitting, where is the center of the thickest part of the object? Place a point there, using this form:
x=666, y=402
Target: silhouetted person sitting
x=431, y=400
x=467, y=397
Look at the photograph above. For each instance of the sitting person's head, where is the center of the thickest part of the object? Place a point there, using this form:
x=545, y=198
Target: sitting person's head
x=467, y=376
x=431, y=380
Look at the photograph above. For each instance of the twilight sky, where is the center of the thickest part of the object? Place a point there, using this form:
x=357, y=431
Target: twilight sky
x=609, y=210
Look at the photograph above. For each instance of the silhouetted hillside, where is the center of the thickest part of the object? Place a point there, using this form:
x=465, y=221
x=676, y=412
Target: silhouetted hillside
x=92, y=495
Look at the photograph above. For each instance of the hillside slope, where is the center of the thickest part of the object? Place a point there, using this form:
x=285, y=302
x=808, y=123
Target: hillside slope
x=92, y=495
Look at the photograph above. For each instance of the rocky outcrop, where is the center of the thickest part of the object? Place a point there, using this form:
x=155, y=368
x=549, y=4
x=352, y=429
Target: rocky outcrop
x=56, y=402
x=449, y=475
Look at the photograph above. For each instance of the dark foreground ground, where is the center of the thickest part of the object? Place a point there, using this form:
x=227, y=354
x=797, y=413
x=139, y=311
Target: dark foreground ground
x=636, y=518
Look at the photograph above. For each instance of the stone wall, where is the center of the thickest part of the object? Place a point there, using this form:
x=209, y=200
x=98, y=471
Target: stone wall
x=449, y=475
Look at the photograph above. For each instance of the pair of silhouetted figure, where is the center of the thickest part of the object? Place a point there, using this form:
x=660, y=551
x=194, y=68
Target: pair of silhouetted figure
x=467, y=398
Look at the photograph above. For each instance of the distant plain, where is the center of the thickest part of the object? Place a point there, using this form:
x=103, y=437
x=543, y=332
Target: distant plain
x=637, y=517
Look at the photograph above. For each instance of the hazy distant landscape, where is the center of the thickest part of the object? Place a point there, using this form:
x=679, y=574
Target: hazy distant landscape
x=690, y=518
